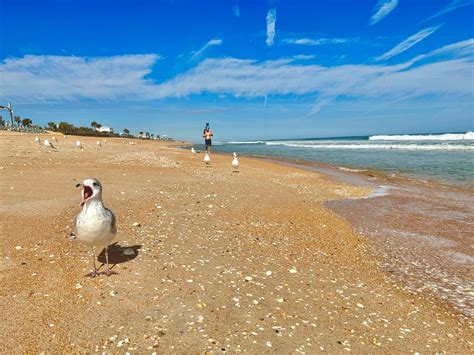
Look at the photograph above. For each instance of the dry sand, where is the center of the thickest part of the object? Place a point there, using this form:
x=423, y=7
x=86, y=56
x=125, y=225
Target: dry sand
x=233, y=262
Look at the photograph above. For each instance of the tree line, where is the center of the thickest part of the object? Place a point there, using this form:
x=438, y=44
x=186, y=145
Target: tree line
x=69, y=129
x=25, y=122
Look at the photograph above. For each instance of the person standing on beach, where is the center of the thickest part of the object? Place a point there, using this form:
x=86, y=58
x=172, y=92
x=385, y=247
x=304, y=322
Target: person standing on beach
x=207, y=135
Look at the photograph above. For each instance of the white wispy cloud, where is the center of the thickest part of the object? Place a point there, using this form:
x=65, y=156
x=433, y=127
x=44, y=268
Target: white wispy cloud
x=304, y=56
x=236, y=10
x=250, y=78
x=271, y=20
x=453, y=5
x=458, y=50
x=50, y=78
x=317, y=42
x=444, y=71
x=382, y=9
x=408, y=43
x=212, y=42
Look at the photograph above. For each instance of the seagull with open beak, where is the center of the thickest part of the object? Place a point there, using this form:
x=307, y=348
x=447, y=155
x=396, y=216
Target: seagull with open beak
x=95, y=224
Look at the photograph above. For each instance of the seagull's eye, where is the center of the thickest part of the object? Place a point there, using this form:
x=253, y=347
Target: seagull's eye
x=95, y=184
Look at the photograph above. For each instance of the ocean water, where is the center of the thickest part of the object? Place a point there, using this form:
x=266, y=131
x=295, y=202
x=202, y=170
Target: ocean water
x=448, y=158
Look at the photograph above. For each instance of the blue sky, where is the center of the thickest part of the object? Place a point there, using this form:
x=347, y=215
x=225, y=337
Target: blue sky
x=253, y=69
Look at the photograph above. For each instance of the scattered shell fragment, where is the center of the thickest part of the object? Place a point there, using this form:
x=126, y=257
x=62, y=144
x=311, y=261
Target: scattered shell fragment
x=128, y=251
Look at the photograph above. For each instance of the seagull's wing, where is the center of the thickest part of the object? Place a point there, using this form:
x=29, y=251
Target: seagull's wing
x=72, y=236
x=113, y=227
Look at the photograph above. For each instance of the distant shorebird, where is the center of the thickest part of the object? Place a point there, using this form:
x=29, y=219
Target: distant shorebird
x=79, y=145
x=37, y=140
x=48, y=144
x=99, y=144
x=95, y=224
x=235, y=163
x=193, y=150
x=207, y=159
x=54, y=139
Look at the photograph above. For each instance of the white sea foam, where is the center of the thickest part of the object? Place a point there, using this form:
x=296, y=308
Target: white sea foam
x=245, y=142
x=429, y=137
x=380, y=191
x=450, y=147
x=351, y=169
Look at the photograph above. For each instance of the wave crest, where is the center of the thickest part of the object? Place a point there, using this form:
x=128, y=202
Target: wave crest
x=245, y=142
x=450, y=147
x=427, y=137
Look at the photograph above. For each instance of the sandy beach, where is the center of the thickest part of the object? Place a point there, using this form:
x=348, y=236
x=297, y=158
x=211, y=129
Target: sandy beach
x=251, y=261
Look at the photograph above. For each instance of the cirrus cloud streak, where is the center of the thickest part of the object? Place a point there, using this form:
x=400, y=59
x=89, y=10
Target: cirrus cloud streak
x=445, y=71
x=382, y=9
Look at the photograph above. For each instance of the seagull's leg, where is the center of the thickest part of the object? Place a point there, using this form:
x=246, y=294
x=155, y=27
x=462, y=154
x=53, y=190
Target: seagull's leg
x=95, y=272
x=108, y=272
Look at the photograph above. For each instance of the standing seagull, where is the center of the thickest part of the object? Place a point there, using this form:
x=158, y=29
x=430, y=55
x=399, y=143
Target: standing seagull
x=79, y=145
x=37, y=140
x=207, y=159
x=95, y=224
x=193, y=150
x=99, y=144
x=48, y=144
x=235, y=163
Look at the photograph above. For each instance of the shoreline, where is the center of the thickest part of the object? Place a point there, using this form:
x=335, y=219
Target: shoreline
x=436, y=264
x=223, y=260
x=439, y=263
x=388, y=174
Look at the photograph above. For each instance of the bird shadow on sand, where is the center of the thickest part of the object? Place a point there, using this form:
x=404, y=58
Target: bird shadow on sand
x=119, y=254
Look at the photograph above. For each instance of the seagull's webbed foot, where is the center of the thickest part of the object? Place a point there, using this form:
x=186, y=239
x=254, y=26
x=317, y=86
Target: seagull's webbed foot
x=93, y=273
x=109, y=272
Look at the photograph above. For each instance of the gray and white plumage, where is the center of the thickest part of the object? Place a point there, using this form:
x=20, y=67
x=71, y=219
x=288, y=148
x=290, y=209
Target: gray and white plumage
x=48, y=144
x=207, y=159
x=95, y=224
x=235, y=162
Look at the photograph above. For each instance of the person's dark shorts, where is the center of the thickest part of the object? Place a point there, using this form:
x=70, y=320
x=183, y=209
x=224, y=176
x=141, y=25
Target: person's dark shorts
x=208, y=142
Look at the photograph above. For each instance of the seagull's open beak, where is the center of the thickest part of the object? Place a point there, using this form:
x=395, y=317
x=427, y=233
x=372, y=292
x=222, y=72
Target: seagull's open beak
x=86, y=194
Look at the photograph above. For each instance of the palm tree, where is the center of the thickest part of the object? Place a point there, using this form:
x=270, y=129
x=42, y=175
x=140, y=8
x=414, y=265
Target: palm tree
x=52, y=126
x=98, y=125
x=65, y=128
x=17, y=120
x=26, y=122
x=140, y=134
x=94, y=124
x=126, y=131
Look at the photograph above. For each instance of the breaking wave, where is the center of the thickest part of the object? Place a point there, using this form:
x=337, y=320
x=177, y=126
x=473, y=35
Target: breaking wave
x=462, y=147
x=425, y=137
x=245, y=142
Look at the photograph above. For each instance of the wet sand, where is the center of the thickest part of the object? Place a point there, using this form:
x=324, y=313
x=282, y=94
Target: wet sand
x=421, y=231
x=425, y=238
x=223, y=262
